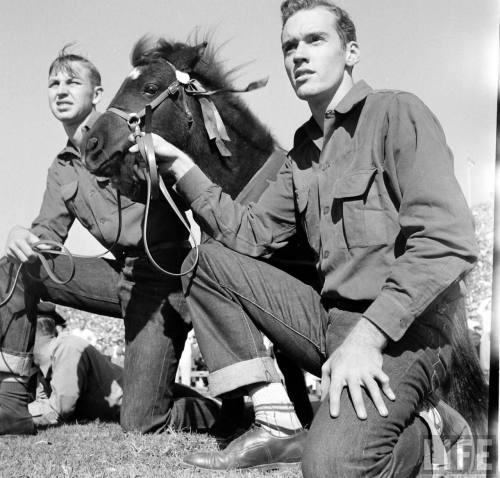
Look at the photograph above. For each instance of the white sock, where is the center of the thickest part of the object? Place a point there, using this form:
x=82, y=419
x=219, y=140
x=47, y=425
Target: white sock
x=273, y=409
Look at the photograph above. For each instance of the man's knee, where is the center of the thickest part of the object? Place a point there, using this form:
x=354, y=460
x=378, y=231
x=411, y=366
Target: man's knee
x=199, y=261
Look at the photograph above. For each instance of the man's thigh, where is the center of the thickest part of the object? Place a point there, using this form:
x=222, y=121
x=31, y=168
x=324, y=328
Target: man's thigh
x=288, y=311
x=93, y=287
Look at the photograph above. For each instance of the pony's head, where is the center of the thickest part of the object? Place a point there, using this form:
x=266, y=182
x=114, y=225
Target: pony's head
x=169, y=77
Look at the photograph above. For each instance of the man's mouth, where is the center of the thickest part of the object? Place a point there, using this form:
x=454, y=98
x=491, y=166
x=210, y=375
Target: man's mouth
x=302, y=74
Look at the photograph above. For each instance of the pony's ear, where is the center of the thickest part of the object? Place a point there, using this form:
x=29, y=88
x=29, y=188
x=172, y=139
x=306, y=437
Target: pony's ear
x=187, y=58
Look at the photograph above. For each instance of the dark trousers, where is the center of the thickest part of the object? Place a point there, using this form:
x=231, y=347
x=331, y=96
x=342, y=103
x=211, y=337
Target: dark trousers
x=156, y=324
x=234, y=298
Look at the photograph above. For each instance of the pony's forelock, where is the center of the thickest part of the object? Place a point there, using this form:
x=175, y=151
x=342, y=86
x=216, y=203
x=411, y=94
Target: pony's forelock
x=209, y=67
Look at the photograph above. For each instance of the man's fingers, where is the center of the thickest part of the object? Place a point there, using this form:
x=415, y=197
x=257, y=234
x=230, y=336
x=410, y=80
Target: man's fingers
x=325, y=381
x=16, y=254
x=373, y=389
x=383, y=381
x=336, y=387
x=357, y=399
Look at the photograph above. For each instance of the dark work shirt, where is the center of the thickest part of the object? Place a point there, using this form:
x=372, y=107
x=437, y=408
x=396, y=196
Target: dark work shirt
x=72, y=192
x=377, y=198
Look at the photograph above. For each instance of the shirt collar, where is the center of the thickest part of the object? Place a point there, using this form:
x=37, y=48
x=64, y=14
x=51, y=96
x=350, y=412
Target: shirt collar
x=70, y=151
x=356, y=94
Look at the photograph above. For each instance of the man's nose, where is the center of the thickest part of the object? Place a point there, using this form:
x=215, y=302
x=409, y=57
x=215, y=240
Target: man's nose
x=300, y=53
x=62, y=89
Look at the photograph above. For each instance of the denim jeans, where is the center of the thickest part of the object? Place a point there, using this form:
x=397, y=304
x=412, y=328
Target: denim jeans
x=155, y=318
x=234, y=298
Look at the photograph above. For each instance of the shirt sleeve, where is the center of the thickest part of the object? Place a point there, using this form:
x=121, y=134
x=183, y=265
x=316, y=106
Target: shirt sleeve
x=54, y=219
x=435, y=220
x=256, y=229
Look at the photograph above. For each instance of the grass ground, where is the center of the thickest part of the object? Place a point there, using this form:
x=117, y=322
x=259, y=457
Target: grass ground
x=102, y=450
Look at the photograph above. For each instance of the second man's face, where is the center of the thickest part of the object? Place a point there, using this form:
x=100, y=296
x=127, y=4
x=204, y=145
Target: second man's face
x=314, y=56
x=71, y=94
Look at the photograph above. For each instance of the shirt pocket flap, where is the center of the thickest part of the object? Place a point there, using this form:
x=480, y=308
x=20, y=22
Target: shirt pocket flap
x=354, y=184
x=68, y=190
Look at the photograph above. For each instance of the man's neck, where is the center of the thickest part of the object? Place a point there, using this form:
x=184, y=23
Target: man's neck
x=319, y=109
x=75, y=132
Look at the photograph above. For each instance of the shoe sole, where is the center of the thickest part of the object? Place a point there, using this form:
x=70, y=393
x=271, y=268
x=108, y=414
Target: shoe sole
x=264, y=467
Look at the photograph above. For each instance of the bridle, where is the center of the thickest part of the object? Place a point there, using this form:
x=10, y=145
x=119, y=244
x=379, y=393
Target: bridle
x=214, y=126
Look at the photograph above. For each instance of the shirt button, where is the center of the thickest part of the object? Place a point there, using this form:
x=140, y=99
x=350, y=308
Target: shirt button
x=330, y=114
x=404, y=323
x=326, y=210
x=102, y=221
x=326, y=254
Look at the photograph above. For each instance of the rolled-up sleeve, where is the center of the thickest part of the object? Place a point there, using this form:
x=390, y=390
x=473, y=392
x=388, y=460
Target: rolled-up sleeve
x=54, y=219
x=435, y=220
x=256, y=229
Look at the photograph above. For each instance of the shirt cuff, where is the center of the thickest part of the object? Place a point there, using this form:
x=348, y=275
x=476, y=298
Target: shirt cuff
x=389, y=315
x=192, y=184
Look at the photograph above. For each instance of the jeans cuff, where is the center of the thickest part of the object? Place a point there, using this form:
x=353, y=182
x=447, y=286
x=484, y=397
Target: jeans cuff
x=15, y=364
x=248, y=372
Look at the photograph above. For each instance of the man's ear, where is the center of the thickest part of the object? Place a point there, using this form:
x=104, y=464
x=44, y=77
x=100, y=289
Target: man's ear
x=98, y=92
x=352, y=53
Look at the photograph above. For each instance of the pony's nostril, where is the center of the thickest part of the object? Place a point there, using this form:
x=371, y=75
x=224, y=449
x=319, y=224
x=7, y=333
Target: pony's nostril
x=91, y=144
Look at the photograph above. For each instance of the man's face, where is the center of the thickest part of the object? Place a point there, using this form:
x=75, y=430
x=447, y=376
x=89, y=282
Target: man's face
x=72, y=95
x=314, y=57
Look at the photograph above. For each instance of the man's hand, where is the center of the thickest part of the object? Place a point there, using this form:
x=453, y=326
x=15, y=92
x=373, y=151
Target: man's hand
x=170, y=159
x=357, y=363
x=18, y=247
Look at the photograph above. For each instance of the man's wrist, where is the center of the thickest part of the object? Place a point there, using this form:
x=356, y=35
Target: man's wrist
x=370, y=334
x=180, y=167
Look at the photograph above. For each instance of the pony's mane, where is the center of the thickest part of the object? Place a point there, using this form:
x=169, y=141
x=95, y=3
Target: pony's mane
x=209, y=68
x=210, y=71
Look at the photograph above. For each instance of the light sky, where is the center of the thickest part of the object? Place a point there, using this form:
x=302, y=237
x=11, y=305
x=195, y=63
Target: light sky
x=445, y=51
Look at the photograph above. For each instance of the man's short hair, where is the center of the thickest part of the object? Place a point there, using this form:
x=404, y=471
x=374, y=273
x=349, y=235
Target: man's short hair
x=65, y=59
x=344, y=25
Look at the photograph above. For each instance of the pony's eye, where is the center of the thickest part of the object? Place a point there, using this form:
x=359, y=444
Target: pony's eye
x=151, y=89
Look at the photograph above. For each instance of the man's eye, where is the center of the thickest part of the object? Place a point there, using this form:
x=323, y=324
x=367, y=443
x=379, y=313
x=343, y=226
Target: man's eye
x=151, y=89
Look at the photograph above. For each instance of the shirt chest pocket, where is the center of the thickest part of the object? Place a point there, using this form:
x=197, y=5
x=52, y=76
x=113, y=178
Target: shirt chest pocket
x=358, y=209
x=75, y=204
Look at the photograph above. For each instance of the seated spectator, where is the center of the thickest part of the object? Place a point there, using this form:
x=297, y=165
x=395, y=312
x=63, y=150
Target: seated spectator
x=76, y=381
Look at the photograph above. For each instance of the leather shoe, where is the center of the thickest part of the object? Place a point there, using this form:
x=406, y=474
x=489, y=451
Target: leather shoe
x=255, y=449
